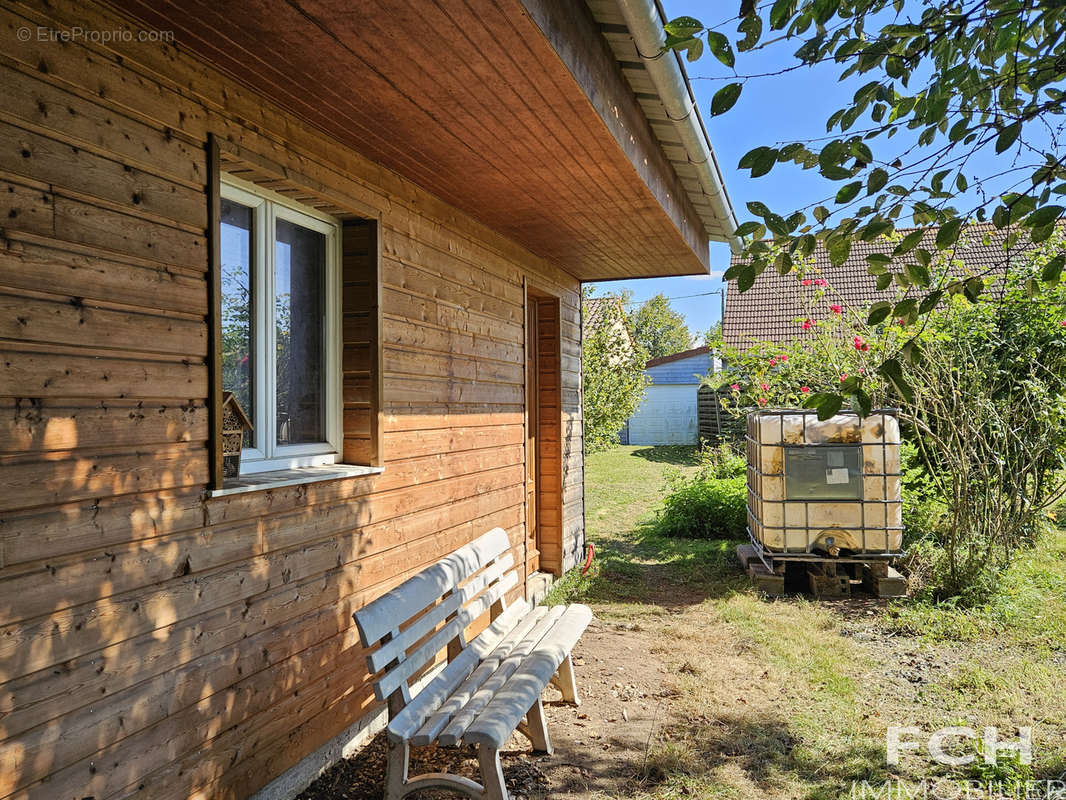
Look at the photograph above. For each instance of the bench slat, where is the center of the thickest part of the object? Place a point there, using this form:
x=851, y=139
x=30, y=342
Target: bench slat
x=404, y=724
x=407, y=600
x=493, y=727
x=453, y=732
x=395, y=648
x=392, y=679
x=458, y=699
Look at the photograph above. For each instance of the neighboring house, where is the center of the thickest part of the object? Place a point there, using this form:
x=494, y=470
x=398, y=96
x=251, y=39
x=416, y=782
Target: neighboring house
x=607, y=311
x=774, y=308
x=668, y=414
x=370, y=222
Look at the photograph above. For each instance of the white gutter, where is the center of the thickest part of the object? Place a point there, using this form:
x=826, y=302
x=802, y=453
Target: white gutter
x=645, y=20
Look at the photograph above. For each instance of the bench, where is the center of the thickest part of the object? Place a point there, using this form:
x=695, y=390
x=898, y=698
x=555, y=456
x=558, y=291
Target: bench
x=490, y=687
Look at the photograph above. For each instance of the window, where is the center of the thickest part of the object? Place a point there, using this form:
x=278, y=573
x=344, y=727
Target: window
x=280, y=338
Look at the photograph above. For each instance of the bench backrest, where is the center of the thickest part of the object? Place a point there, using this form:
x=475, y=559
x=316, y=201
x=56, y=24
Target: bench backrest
x=431, y=611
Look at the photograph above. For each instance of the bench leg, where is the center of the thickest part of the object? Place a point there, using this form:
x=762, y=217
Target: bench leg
x=396, y=770
x=565, y=683
x=398, y=785
x=536, y=728
x=492, y=773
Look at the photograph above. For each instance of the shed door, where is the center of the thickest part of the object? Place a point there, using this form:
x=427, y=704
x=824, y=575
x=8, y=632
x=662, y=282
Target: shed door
x=667, y=416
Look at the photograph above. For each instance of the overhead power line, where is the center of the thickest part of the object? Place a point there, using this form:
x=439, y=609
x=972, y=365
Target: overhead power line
x=679, y=297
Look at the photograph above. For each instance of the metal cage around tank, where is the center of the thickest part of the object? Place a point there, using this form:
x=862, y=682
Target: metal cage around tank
x=867, y=525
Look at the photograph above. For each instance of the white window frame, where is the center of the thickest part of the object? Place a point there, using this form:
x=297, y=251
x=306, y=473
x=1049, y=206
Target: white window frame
x=266, y=455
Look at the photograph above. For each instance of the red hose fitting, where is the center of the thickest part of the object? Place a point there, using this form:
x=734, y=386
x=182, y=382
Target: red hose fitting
x=588, y=558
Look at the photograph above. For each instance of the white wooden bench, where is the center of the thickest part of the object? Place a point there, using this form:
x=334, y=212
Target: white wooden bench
x=490, y=687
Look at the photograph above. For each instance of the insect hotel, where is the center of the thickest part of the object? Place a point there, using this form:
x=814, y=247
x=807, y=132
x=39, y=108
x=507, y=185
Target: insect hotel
x=824, y=502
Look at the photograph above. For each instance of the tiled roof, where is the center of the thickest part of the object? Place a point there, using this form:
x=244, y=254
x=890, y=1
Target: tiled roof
x=773, y=309
x=594, y=312
x=695, y=351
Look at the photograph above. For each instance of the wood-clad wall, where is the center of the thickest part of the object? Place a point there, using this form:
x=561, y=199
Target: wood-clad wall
x=155, y=643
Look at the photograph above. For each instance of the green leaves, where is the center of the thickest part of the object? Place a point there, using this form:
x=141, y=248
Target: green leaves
x=725, y=98
x=848, y=192
x=827, y=404
x=751, y=27
x=930, y=301
x=721, y=49
x=751, y=228
x=910, y=241
x=893, y=372
x=879, y=312
x=1052, y=270
x=876, y=181
x=760, y=161
x=683, y=26
x=1008, y=136
x=1043, y=216
x=780, y=13
x=948, y=233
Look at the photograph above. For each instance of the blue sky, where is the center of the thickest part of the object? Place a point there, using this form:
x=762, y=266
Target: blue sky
x=788, y=107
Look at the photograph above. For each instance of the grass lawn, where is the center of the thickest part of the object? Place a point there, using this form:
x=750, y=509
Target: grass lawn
x=792, y=698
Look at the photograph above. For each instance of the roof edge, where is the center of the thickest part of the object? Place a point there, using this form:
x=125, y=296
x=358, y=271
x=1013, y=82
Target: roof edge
x=695, y=351
x=645, y=20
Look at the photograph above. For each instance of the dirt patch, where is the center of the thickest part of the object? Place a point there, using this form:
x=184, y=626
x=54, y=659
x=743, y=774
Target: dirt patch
x=599, y=747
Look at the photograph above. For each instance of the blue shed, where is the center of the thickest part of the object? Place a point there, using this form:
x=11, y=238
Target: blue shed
x=668, y=414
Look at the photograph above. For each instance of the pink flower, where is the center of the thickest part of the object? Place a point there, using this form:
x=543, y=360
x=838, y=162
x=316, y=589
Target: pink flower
x=900, y=322
x=782, y=358
x=807, y=324
x=1063, y=323
x=244, y=360
x=860, y=344
x=762, y=401
x=805, y=389
x=835, y=309
x=773, y=361
x=806, y=282
x=843, y=377
x=735, y=387
x=764, y=386
x=862, y=370
x=820, y=282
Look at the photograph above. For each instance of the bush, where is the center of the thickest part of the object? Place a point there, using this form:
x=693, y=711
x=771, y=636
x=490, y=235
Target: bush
x=705, y=508
x=613, y=379
x=924, y=509
x=721, y=461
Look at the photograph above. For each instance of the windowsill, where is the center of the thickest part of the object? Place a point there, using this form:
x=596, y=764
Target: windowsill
x=292, y=477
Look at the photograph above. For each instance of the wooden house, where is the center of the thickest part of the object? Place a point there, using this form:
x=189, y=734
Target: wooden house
x=370, y=221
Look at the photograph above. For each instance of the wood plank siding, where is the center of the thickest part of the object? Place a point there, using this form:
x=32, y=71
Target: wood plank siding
x=557, y=154
x=156, y=642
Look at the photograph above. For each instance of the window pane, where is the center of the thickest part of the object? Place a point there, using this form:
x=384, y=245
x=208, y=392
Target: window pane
x=299, y=281
x=238, y=374
x=823, y=473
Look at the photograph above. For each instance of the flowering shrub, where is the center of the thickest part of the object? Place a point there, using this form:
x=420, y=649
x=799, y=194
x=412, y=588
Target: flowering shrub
x=985, y=408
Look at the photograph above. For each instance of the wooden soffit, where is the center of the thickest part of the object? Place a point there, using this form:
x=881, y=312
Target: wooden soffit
x=514, y=112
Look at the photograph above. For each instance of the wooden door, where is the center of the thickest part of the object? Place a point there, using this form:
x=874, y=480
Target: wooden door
x=532, y=432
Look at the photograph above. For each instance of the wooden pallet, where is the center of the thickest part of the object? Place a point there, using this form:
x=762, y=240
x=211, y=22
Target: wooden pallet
x=768, y=582
x=889, y=584
x=825, y=577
